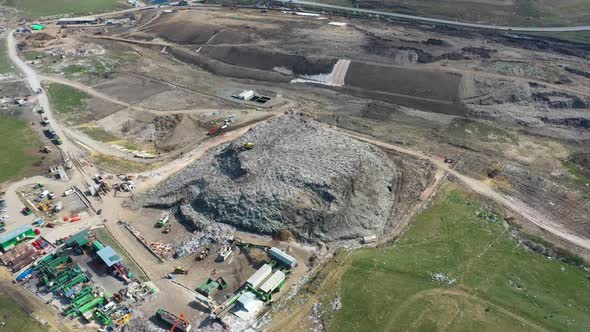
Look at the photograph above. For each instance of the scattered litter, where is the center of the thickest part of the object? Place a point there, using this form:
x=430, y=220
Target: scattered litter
x=439, y=277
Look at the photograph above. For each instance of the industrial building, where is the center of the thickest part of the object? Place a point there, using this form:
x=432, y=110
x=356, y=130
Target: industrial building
x=274, y=282
x=259, y=276
x=77, y=20
x=282, y=257
x=14, y=237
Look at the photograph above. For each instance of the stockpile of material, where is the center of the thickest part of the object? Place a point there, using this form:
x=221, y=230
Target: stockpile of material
x=299, y=175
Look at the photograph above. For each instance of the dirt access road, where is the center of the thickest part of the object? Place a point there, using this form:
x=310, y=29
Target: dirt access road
x=511, y=203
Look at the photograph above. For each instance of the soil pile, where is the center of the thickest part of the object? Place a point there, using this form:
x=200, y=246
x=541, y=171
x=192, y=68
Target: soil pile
x=299, y=176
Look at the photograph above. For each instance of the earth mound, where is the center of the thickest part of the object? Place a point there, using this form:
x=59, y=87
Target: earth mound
x=299, y=176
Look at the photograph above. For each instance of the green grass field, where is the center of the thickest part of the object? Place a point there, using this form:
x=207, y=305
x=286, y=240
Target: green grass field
x=487, y=281
x=515, y=12
x=40, y=8
x=66, y=100
x=5, y=64
x=98, y=134
x=15, y=318
x=18, y=149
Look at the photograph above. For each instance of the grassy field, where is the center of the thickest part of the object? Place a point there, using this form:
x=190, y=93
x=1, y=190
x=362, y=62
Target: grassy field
x=117, y=165
x=457, y=268
x=18, y=149
x=515, y=12
x=15, y=318
x=39, y=8
x=5, y=64
x=66, y=100
x=98, y=134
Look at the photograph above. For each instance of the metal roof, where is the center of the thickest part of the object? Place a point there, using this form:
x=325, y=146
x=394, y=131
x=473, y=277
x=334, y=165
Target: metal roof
x=80, y=238
x=258, y=277
x=14, y=233
x=282, y=257
x=273, y=282
x=109, y=256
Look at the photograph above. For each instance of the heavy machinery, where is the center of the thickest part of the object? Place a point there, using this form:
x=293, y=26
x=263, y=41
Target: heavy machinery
x=248, y=146
x=180, y=270
x=209, y=286
x=177, y=322
x=203, y=253
x=45, y=149
x=163, y=221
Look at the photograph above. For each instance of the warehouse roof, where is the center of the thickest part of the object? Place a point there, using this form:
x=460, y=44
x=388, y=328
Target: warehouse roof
x=14, y=233
x=109, y=256
x=273, y=282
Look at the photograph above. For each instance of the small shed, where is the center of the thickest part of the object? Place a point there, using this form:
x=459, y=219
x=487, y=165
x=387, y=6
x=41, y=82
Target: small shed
x=109, y=256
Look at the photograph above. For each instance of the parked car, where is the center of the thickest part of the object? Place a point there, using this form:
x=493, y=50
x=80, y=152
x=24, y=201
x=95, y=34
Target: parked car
x=69, y=192
x=4, y=217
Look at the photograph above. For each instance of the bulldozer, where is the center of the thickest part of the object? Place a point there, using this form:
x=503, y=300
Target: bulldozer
x=43, y=206
x=203, y=253
x=248, y=146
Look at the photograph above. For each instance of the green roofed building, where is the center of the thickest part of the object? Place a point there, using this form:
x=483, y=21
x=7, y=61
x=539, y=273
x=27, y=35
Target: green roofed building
x=78, y=239
x=14, y=237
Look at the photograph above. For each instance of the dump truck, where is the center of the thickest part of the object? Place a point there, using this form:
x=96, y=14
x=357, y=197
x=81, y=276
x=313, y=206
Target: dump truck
x=176, y=321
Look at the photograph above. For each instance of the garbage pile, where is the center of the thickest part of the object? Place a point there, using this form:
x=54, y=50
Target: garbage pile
x=288, y=173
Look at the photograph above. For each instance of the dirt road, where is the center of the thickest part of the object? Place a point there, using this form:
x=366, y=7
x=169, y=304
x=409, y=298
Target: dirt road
x=511, y=203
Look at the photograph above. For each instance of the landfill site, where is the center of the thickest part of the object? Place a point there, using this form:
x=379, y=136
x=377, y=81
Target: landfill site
x=220, y=155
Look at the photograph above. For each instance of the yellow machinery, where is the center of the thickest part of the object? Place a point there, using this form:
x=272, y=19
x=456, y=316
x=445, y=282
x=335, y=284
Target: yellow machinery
x=249, y=145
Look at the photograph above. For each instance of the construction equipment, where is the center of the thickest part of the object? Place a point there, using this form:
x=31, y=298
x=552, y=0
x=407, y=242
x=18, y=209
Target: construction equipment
x=224, y=253
x=123, y=320
x=45, y=149
x=203, y=253
x=163, y=221
x=248, y=146
x=166, y=229
x=102, y=317
x=43, y=206
x=177, y=322
x=209, y=286
x=180, y=270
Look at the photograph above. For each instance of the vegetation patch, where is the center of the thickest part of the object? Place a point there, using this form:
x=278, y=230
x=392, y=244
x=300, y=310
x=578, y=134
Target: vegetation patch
x=458, y=267
x=5, y=63
x=39, y=8
x=577, y=172
x=118, y=165
x=66, y=100
x=18, y=149
x=16, y=319
x=98, y=134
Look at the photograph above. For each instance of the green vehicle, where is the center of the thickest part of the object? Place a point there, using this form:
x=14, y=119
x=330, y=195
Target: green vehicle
x=58, y=140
